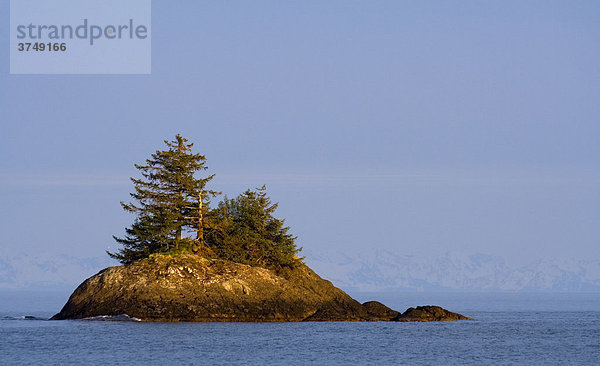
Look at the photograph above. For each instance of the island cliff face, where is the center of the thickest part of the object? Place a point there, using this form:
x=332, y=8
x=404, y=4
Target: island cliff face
x=191, y=288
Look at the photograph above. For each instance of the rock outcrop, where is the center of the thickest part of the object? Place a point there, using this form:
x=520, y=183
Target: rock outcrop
x=429, y=313
x=379, y=311
x=192, y=288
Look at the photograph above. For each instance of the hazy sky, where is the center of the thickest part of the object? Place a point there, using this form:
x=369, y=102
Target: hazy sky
x=459, y=126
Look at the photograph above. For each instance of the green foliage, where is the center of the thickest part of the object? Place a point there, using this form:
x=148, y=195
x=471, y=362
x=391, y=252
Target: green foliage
x=170, y=203
x=248, y=233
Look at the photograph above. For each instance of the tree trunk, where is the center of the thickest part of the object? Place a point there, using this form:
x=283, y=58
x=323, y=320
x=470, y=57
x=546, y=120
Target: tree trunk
x=178, y=238
x=200, y=232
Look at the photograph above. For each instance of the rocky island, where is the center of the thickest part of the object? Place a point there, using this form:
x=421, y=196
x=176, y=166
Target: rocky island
x=192, y=288
x=185, y=261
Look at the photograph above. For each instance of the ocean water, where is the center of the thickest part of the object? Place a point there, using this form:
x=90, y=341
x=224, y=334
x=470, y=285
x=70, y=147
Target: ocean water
x=519, y=329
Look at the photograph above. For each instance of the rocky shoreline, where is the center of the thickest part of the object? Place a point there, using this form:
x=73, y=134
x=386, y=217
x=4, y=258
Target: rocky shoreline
x=192, y=288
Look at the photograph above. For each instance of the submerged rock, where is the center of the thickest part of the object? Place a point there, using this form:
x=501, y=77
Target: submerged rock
x=429, y=313
x=192, y=288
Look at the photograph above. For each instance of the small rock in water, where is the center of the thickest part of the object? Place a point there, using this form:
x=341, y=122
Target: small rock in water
x=379, y=311
x=429, y=313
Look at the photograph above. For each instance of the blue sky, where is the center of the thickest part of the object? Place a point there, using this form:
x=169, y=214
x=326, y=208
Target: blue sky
x=459, y=126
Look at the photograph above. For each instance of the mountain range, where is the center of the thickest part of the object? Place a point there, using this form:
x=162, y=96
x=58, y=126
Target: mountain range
x=384, y=270
x=368, y=271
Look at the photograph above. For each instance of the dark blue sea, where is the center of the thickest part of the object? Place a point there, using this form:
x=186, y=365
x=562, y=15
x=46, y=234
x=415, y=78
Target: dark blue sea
x=509, y=329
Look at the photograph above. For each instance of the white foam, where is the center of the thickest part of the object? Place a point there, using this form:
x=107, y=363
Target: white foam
x=113, y=318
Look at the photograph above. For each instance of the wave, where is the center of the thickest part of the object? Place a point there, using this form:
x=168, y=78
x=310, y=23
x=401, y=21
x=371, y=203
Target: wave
x=23, y=317
x=113, y=318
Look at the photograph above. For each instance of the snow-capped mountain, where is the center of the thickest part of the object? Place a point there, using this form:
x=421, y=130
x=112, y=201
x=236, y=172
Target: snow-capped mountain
x=376, y=270
x=382, y=270
x=37, y=270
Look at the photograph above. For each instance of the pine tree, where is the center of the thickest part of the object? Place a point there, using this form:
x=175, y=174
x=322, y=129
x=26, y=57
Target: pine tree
x=169, y=201
x=247, y=232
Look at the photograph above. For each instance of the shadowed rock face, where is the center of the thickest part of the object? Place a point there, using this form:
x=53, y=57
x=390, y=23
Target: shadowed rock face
x=429, y=313
x=191, y=288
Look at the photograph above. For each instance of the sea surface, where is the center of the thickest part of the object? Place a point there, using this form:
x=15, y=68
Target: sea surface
x=509, y=328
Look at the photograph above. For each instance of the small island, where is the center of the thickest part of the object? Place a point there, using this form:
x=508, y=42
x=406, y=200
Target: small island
x=185, y=261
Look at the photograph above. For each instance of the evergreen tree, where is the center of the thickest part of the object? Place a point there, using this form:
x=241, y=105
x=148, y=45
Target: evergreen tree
x=169, y=202
x=247, y=232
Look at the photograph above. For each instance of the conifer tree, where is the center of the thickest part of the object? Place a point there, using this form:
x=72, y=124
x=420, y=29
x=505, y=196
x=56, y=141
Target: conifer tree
x=169, y=201
x=247, y=232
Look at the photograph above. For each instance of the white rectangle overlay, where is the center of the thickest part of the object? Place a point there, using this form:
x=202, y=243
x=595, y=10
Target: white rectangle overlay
x=80, y=37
